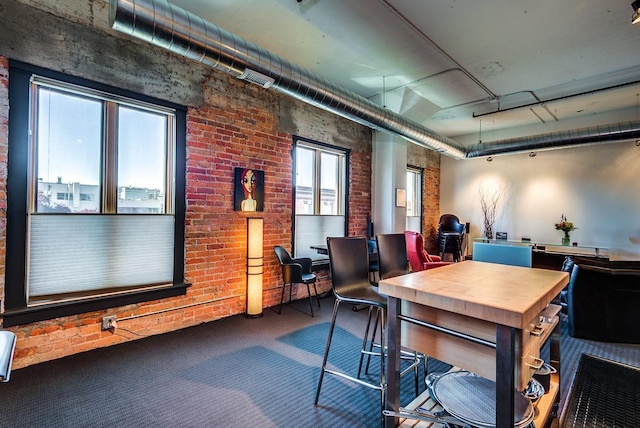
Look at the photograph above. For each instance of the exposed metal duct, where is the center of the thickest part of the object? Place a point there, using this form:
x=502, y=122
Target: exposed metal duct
x=557, y=140
x=163, y=24
x=168, y=26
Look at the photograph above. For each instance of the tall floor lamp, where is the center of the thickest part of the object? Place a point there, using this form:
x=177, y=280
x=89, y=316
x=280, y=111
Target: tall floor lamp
x=255, y=257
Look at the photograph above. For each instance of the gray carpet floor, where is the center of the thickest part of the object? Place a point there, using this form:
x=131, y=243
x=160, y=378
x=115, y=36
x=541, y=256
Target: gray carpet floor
x=232, y=372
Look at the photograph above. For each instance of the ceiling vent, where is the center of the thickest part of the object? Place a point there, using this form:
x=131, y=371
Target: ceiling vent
x=257, y=78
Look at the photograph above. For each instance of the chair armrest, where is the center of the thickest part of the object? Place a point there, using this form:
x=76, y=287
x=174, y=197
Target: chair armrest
x=435, y=258
x=432, y=265
x=305, y=263
x=7, y=346
x=292, y=272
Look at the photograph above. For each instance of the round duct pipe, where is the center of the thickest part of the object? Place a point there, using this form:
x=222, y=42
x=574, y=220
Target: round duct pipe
x=558, y=140
x=163, y=24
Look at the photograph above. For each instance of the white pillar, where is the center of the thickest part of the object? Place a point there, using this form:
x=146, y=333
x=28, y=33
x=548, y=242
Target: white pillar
x=389, y=172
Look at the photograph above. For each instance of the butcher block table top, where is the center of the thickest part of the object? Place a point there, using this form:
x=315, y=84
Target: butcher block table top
x=503, y=294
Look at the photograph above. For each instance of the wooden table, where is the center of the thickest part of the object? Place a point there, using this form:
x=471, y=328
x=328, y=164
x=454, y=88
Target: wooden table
x=478, y=316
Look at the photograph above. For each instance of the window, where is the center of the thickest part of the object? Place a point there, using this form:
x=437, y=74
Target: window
x=414, y=199
x=320, y=196
x=102, y=170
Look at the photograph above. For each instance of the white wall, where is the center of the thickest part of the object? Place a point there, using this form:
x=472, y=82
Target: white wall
x=597, y=187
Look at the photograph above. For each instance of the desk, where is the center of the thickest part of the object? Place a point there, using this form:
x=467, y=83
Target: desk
x=321, y=249
x=478, y=316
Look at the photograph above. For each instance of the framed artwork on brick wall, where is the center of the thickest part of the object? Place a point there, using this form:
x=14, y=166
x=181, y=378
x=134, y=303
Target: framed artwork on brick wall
x=248, y=190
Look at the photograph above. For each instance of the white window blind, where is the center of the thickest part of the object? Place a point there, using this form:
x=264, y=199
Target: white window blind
x=80, y=253
x=413, y=224
x=314, y=230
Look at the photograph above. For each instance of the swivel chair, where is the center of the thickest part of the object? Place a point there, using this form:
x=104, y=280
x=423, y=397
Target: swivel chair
x=295, y=271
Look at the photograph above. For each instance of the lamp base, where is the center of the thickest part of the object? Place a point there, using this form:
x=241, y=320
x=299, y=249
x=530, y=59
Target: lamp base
x=253, y=315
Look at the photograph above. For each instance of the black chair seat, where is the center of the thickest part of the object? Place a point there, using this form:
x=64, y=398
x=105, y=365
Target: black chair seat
x=308, y=278
x=360, y=295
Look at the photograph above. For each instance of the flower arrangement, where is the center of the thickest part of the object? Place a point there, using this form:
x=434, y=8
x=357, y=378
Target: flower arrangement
x=565, y=226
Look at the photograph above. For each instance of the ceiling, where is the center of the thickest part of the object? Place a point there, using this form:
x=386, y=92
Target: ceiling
x=467, y=69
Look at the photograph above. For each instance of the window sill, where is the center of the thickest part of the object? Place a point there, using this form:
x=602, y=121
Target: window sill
x=18, y=316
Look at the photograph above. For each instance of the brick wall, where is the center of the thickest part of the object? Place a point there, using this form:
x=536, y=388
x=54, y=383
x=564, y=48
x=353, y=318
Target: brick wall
x=230, y=124
x=239, y=125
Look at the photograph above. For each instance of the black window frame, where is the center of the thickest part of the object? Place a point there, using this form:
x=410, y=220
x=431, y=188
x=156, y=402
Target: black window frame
x=16, y=310
x=322, y=263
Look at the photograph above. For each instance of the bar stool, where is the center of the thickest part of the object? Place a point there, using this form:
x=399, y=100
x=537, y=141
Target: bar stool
x=349, y=266
x=350, y=282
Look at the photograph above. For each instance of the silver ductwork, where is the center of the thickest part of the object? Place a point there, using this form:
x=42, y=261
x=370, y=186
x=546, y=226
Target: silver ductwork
x=164, y=24
x=557, y=140
x=168, y=26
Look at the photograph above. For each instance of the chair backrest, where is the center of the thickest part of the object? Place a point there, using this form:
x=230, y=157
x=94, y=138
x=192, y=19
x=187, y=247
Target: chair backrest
x=450, y=223
x=392, y=255
x=349, y=264
x=283, y=255
x=415, y=251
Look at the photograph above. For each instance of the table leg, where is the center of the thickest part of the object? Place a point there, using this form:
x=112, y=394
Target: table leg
x=554, y=357
x=505, y=380
x=393, y=361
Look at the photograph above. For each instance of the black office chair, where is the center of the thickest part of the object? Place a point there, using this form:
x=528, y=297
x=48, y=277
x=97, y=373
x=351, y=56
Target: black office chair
x=450, y=236
x=296, y=271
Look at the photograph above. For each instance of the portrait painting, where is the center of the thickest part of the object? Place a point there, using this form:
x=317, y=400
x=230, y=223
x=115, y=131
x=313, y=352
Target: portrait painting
x=249, y=190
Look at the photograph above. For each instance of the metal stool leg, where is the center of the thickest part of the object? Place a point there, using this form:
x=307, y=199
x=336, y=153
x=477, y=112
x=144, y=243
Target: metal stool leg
x=365, y=339
x=310, y=299
x=373, y=337
x=326, y=351
x=315, y=290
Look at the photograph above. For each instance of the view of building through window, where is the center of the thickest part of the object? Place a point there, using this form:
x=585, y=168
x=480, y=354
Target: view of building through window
x=320, y=198
x=70, y=161
x=76, y=197
x=307, y=179
x=100, y=188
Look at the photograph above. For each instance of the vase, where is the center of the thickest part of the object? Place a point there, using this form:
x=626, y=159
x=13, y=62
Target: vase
x=566, y=240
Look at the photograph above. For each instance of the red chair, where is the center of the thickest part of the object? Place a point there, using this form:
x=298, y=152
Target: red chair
x=419, y=259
